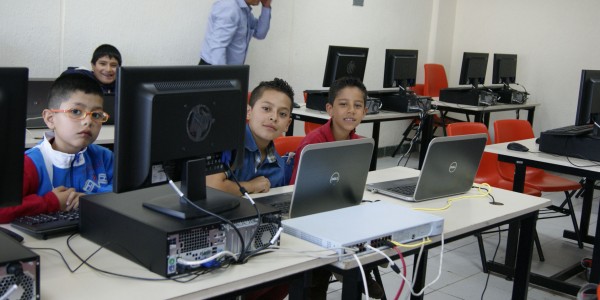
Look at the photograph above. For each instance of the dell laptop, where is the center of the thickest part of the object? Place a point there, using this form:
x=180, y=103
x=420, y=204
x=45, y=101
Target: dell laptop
x=449, y=169
x=330, y=176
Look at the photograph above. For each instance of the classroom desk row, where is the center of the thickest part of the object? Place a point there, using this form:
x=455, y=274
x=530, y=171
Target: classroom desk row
x=462, y=219
x=480, y=113
x=561, y=164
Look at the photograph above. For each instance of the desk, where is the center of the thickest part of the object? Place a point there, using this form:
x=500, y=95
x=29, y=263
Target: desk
x=315, y=116
x=58, y=283
x=106, y=136
x=573, y=166
x=482, y=113
x=462, y=219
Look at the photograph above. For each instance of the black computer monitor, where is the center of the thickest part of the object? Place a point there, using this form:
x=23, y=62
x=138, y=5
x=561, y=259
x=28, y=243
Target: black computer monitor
x=588, y=107
x=176, y=121
x=505, y=69
x=13, y=110
x=345, y=62
x=400, y=68
x=473, y=69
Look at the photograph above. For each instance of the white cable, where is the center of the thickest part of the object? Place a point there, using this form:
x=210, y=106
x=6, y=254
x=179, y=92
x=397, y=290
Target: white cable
x=276, y=236
x=439, y=271
x=196, y=263
x=11, y=290
x=362, y=273
x=177, y=190
x=247, y=196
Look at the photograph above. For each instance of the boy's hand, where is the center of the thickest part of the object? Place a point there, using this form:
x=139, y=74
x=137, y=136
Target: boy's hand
x=260, y=184
x=266, y=3
x=68, y=198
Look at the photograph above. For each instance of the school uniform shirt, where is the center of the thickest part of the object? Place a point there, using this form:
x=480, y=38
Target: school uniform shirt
x=231, y=26
x=322, y=134
x=89, y=171
x=273, y=167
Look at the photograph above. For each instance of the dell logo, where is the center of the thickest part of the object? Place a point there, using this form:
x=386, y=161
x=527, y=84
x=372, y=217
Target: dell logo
x=453, y=167
x=199, y=123
x=335, y=178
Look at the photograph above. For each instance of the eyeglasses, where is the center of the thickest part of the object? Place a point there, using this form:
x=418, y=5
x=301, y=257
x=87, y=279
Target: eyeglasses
x=78, y=114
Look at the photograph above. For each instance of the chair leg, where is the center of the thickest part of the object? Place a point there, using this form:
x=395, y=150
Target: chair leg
x=538, y=245
x=482, y=252
x=378, y=279
x=574, y=219
x=404, y=137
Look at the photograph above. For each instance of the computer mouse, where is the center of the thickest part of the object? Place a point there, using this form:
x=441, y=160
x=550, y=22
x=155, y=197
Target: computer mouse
x=517, y=147
x=295, y=105
x=12, y=234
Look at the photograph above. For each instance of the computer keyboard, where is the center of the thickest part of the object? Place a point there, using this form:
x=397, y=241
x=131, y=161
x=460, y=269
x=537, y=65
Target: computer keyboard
x=573, y=130
x=407, y=190
x=48, y=225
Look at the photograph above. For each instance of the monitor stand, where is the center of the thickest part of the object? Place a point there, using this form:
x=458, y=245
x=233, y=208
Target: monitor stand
x=193, y=187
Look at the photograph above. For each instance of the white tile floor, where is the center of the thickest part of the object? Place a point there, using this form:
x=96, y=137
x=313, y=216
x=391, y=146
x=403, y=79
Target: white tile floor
x=462, y=277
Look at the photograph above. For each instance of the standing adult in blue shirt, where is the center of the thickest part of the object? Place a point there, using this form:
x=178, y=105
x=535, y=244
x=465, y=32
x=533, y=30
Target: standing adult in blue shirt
x=231, y=26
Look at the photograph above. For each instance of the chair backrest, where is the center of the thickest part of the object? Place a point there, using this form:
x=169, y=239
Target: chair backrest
x=487, y=171
x=512, y=130
x=435, y=80
x=463, y=128
x=285, y=144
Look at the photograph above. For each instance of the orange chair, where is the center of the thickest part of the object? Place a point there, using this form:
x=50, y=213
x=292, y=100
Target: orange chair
x=488, y=173
x=285, y=144
x=514, y=130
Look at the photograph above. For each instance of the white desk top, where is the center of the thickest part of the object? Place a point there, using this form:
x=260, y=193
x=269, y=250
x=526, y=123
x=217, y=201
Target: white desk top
x=497, y=107
x=383, y=115
x=462, y=217
x=535, y=154
x=106, y=136
x=58, y=283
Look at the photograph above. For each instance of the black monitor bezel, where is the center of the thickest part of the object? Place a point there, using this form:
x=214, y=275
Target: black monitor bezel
x=466, y=71
x=589, y=97
x=335, y=53
x=501, y=61
x=390, y=68
x=13, y=112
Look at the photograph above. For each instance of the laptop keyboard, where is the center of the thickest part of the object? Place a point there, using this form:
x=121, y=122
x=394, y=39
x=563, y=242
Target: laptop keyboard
x=407, y=190
x=284, y=207
x=47, y=225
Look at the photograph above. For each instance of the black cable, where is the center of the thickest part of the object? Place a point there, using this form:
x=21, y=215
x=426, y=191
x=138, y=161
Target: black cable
x=243, y=191
x=188, y=201
x=493, y=258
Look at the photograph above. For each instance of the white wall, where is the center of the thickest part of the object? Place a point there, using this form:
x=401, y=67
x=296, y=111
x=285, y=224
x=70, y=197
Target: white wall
x=49, y=35
x=554, y=41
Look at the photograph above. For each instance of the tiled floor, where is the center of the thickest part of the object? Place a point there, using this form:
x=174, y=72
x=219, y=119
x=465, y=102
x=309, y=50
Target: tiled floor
x=462, y=277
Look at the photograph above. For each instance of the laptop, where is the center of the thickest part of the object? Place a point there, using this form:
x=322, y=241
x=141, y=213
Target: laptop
x=330, y=176
x=449, y=169
x=37, y=100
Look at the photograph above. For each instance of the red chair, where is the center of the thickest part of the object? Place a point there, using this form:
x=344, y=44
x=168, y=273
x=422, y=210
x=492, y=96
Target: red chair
x=285, y=144
x=488, y=173
x=514, y=130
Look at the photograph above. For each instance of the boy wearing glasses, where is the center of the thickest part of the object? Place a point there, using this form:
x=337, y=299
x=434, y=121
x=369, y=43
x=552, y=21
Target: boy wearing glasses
x=66, y=164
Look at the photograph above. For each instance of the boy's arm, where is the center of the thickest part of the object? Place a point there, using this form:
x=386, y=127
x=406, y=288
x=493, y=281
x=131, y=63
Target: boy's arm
x=219, y=181
x=31, y=203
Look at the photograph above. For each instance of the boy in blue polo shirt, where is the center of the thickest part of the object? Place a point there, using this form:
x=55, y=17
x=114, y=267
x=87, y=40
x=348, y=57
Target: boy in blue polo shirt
x=66, y=164
x=269, y=116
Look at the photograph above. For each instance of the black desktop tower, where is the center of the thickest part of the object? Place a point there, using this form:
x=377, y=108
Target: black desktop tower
x=468, y=96
x=20, y=266
x=120, y=223
x=316, y=99
x=584, y=147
